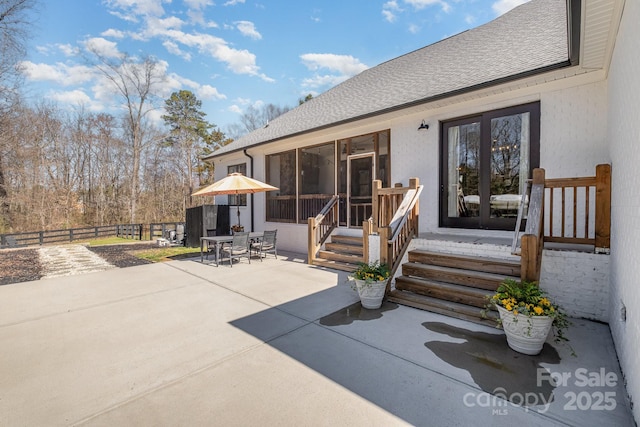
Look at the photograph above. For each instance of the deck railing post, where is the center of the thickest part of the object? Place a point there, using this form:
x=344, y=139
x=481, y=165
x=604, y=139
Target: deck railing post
x=603, y=209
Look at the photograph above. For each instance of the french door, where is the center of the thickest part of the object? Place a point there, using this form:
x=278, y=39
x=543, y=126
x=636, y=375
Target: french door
x=486, y=160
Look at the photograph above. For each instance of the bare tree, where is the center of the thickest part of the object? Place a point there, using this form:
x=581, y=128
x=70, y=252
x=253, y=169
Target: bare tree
x=14, y=32
x=136, y=82
x=254, y=118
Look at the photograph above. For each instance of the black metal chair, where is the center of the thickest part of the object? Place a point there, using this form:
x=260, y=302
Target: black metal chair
x=266, y=244
x=238, y=248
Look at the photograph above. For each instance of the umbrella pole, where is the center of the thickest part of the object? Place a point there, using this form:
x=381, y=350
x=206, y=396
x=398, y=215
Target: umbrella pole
x=238, y=206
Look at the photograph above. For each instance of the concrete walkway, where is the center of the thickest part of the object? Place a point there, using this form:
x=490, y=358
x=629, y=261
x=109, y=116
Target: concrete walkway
x=67, y=260
x=277, y=342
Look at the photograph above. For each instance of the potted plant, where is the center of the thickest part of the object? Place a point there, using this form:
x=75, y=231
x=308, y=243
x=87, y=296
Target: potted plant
x=527, y=315
x=370, y=282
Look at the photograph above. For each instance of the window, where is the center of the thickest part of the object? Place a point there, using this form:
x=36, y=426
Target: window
x=240, y=199
x=486, y=160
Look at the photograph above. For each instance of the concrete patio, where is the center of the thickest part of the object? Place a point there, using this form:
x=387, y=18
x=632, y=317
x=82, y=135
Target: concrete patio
x=277, y=342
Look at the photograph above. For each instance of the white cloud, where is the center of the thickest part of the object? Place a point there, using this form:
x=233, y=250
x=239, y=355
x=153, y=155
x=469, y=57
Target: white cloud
x=233, y=2
x=198, y=4
x=414, y=29
x=247, y=28
x=470, y=19
x=76, y=97
x=174, y=49
x=59, y=73
x=421, y=4
x=238, y=61
x=111, y=32
x=389, y=16
x=344, y=64
x=503, y=6
x=103, y=47
x=68, y=50
x=389, y=10
x=236, y=109
x=326, y=80
x=139, y=7
x=209, y=92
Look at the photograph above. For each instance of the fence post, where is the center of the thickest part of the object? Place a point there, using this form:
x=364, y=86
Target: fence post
x=41, y=238
x=71, y=234
x=603, y=209
x=140, y=232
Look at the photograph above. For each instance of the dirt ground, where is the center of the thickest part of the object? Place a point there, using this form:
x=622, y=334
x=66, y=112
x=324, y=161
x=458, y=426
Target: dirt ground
x=23, y=265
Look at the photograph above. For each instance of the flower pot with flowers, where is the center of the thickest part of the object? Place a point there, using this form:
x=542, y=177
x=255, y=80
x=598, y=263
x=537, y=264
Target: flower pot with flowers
x=371, y=282
x=527, y=316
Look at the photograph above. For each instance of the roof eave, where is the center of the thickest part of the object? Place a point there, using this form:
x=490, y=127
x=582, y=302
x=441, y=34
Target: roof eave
x=418, y=102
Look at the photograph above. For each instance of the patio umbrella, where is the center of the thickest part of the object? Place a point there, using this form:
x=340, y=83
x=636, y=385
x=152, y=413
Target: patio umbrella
x=235, y=184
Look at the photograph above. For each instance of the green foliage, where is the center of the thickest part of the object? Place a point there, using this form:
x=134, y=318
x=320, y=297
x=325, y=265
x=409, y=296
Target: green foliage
x=527, y=299
x=372, y=272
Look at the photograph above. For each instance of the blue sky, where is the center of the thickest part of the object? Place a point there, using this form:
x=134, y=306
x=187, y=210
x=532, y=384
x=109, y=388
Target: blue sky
x=235, y=53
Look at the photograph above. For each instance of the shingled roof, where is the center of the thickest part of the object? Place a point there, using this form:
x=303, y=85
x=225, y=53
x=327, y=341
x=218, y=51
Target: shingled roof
x=530, y=38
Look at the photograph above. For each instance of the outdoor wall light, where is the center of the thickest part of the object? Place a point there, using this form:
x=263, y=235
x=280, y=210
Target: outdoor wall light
x=423, y=125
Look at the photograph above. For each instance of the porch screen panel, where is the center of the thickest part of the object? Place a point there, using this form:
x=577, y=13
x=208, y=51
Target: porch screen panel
x=463, y=184
x=281, y=173
x=317, y=179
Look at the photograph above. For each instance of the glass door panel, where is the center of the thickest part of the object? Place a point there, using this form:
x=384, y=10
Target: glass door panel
x=361, y=172
x=509, y=164
x=463, y=178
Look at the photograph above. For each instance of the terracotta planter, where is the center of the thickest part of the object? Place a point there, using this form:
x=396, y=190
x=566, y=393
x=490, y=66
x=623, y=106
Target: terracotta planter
x=371, y=294
x=525, y=334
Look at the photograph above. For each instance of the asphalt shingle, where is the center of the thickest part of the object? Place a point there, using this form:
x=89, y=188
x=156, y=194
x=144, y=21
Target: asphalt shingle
x=529, y=38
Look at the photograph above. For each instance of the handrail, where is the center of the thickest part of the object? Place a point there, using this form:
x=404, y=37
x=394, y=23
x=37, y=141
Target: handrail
x=524, y=205
x=396, y=235
x=321, y=226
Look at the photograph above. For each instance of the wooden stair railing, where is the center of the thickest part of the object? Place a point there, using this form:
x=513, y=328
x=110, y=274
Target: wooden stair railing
x=320, y=227
x=575, y=205
x=574, y=225
x=532, y=240
x=401, y=227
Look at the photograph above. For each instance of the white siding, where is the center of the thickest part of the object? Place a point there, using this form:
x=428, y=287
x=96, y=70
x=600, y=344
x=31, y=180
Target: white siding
x=624, y=139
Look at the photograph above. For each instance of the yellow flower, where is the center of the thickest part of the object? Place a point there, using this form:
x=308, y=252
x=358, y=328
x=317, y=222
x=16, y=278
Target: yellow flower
x=508, y=307
x=515, y=312
x=538, y=310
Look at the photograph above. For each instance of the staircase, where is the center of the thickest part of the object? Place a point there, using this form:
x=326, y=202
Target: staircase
x=452, y=285
x=341, y=253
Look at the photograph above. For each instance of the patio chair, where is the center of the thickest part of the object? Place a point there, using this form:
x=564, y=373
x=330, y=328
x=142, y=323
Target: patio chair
x=239, y=247
x=266, y=244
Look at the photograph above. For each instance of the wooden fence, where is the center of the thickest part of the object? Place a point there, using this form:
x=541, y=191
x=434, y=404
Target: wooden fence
x=127, y=231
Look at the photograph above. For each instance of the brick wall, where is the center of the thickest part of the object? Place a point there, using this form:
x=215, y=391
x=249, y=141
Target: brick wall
x=624, y=140
x=578, y=281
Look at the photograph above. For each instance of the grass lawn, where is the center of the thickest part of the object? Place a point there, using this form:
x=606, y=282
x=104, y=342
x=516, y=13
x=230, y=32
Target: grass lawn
x=166, y=253
x=156, y=254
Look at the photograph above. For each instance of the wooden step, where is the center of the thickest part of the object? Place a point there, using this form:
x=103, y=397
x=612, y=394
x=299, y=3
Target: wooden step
x=488, y=265
x=347, y=240
x=343, y=257
x=475, y=279
x=344, y=248
x=446, y=291
x=336, y=265
x=447, y=308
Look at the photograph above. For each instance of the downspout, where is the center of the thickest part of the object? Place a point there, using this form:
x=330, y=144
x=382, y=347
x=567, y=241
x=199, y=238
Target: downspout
x=251, y=176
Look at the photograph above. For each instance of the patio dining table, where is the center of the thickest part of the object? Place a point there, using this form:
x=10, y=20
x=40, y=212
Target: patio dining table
x=217, y=241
